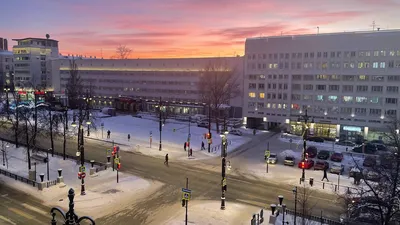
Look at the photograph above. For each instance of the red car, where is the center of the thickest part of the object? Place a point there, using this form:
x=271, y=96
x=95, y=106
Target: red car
x=307, y=164
x=337, y=157
x=321, y=165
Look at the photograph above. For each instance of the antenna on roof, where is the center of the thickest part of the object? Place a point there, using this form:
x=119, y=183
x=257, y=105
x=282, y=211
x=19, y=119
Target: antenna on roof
x=101, y=50
x=374, y=25
x=317, y=30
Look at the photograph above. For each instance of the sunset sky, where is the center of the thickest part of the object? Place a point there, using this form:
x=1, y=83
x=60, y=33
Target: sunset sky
x=184, y=28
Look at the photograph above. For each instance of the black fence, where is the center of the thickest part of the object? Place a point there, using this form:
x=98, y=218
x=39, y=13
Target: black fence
x=318, y=219
x=18, y=178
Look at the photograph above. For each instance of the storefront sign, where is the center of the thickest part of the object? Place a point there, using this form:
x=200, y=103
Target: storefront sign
x=351, y=128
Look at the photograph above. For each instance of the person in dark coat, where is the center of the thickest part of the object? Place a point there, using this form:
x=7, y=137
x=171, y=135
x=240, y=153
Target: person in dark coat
x=325, y=175
x=184, y=146
x=129, y=137
x=108, y=134
x=202, y=145
x=166, y=159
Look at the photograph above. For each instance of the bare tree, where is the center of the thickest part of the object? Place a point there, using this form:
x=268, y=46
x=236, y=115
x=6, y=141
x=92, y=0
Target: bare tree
x=74, y=85
x=218, y=84
x=305, y=205
x=122, y=52
x=378, y=199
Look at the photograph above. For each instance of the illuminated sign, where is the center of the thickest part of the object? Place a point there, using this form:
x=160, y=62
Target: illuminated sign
x=351, y=128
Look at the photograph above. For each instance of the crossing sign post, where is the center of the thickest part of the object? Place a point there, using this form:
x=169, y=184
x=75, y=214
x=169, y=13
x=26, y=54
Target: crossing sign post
x=186, y=194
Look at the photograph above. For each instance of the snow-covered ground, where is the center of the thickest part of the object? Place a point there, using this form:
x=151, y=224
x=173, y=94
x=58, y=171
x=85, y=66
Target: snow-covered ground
x=174, y=135
x=103, y=194
x=297, y=143
x=209, y=212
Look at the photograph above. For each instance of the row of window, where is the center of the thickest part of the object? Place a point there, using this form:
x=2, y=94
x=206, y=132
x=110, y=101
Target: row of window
x=326, y=65
x=144, y=82
x=282, y=96
x=334, y=77
x=139, y=73
x=261, y=86
x=345, y=88
x=332, y=54
x=261, y=105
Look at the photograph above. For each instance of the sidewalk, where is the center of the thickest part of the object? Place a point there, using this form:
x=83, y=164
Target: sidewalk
x=103, y=194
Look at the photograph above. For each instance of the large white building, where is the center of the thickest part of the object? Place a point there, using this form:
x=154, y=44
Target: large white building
x=131, y=83
x=31, y=63
x=348, y=82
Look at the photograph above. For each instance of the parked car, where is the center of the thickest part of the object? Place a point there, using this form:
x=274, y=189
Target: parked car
x=315, y=139
x=368, y=148
x=321, y=165
x=272, y=159
x=203, y=124
x=307, y=164
x=337, y=168
x=311, y=152
x=369, y=161
x=377, y=142
x=337, y=157
x=289, y=161
x=381, y=147
x=346, y=143
x=371, y=175
x=236, y=132
x=323, y=154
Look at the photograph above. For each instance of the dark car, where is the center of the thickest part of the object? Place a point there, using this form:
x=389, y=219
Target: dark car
x=337, y=157
x=323, y=154
x=315, y=139
x=377, y=142
x=368, y=148
x=381, y=147
x=321, y=165
x=311, y=152
x=306, y=164
x=346, y=143
x=369, y=161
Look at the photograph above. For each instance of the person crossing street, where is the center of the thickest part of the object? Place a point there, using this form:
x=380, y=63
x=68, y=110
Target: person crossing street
x=166, y=159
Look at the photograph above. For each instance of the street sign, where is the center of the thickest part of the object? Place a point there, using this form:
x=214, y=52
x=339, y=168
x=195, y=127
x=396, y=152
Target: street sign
x=267, y=153
x=186, y=194
x=116, y=160
x=83, y=175
x=82, y=169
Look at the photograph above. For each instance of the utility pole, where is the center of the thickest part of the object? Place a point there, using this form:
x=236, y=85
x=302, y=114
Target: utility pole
x=51, y=130
x=65, y=130
x=187, y=202
x=82, y=149
x=295, y=204
x=35, y=102
x=209, y=127
x=17, y=121
x=160, y=147
x=305, y=118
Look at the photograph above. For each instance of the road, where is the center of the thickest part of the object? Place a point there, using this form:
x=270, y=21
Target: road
x=205, y=183
x=19, y=208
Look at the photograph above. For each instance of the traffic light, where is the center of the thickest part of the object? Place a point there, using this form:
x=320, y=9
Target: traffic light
x=118, y=166
x=303, y=165
x=183, y=202
x=208, y=135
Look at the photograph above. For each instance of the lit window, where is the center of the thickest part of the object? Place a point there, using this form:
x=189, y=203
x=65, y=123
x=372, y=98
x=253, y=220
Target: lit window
x=376, y=53
x=367, y=53
x=382, y=65
x=375, y=65
x=279, y=106
x=362, y=77
x=324, y=65
x=361, y=99
x=252, y=95
x=273, y=106
x=332, y=98
x=262, y=95
x=392, y=53
x=360, y=65
x=284, y=106
x=347, y=99
x=268, y=105
x=320, y=98
x=383, y=53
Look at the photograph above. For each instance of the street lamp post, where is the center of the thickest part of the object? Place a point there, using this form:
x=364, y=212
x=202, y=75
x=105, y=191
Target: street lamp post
x=209, y=126
x=81, y=149
x=305, y=118
x=7, y=89
x=35, y=102
x=160, y=118
x=69, y=217
x=223, y=170
x=295, y=204
x=48, y=161
x=65, y=130
x=282, y=209
x=51, y=129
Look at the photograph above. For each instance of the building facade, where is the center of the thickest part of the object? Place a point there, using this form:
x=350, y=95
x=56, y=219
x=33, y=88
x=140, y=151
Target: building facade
x=32, y=61
x=3, y=44
x=6, y=70
x=138, y=84
x=347, y=82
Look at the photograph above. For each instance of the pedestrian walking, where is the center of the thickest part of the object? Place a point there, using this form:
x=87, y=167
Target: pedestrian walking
x=184, y=146
x=254, y=132
x=166, y=159
x=202, y=145
x=191, y=152
x=108, y=134
x=129, y=137
x=325, y=175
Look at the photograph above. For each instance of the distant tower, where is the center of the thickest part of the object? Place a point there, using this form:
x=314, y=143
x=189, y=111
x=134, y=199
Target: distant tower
x=3, y=44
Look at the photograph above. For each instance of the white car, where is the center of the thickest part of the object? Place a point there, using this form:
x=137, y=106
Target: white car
x=272, y=159
x=236, y=132
x=337, y=168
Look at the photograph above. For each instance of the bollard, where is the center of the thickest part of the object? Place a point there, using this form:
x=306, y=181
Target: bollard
x=59, y=172
x=92, y=169
x=92, y=162
x=60, y=178
x=323, y=185
x=41, y=177
x=335, y=187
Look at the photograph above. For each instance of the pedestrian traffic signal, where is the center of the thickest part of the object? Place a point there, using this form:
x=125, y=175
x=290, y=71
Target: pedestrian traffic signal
x=303, y=165
x=118, y=166
x=208, y=135
x=306, y=155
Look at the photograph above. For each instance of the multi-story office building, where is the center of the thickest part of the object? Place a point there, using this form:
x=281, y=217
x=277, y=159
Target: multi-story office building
x=348, y=82
x=131, y=83
x=6, y=70
x=3, y=44
x=31, y=63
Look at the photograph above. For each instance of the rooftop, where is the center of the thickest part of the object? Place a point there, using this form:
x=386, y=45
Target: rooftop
x=39, y=39
x=374, y=32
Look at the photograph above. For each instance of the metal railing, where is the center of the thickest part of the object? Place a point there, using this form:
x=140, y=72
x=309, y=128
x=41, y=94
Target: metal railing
x=318, y=219
x=18, y=178
x=217, y=147
x=51, y=183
